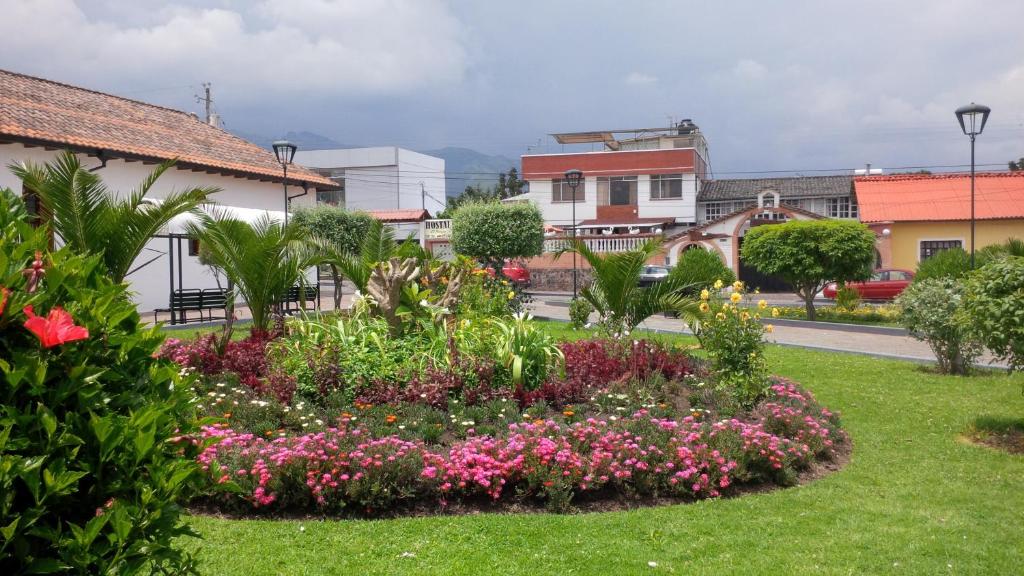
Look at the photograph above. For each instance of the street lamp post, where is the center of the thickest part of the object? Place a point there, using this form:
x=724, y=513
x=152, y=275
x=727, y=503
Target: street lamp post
x=285, y=153
x=972, y=120
x=573, y=178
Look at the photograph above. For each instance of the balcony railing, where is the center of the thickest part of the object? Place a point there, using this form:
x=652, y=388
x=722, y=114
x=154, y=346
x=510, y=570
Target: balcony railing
x=437, y=229
x=616, y=243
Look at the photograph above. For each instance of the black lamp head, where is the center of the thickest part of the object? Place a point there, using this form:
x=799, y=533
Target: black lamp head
x=573, y=177
x=285, y=151
x=972, y=118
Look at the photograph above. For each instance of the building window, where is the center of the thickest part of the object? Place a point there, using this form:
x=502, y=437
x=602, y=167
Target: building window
x=844, y=207
x=666, y=186
x=713, y=210
x=331, y=197
x=562, y=192
x=930, y=248
x=616, y=190
x=193, y=246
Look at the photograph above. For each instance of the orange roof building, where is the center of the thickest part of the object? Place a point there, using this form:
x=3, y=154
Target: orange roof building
x=120, y=140
x=916, y=215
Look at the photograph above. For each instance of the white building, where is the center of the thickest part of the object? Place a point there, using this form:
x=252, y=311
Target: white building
x=380, y=178
x=122, y=140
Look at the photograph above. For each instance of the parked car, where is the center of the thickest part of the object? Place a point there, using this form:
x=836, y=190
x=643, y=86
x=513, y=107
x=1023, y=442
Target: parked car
x=883, y=285
x=651, y=274
x=515, y=272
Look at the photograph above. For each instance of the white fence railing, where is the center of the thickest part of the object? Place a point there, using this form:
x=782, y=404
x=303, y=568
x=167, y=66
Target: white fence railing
x=619, y=243
x=437, y=229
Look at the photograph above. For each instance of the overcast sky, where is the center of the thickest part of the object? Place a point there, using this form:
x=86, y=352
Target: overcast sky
x=774, y=85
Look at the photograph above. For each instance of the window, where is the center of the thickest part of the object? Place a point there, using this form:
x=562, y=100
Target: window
x=930, y=248
x=666, y=186
x=616, y=190
x=844, y=207
x=193, y=247
x=562, y=192
x=331, y=197
x=713, y=210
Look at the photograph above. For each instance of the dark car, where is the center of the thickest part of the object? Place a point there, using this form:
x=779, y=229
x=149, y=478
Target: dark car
x=651, y=274
x=884, y=284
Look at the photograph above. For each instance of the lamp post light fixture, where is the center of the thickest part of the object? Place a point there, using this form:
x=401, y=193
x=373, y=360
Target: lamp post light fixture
x=573, y=178
x=285, y=153
x=972, y=120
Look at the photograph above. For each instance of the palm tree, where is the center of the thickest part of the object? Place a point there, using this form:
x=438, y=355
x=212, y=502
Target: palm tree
x=90, y=219
x=616, y=293
x=378, y=245
x=262, y=260
x=1011, y=247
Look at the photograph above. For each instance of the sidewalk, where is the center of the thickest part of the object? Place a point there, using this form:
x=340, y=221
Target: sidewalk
x=847, y=339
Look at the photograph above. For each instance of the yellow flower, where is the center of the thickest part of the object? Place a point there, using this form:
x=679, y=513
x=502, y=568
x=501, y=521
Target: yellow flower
x=737, y=285
x=762, y=304
x=745, y=316
x=736, y=297
x=704, y=294
x=720, y=316
x=718, y=284
x=704, y=307
x=775, y=312
x=769, y=328
x=511, y=294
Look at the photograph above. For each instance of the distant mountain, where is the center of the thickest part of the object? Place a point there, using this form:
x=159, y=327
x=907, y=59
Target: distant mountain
x=304, y=140
x=464, y=167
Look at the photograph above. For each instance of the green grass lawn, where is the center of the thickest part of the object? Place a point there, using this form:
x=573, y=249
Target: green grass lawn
x=913, y=500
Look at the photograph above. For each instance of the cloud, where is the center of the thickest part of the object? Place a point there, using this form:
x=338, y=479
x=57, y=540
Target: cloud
x=639, y=78
x=343, y=47
x=747, y=69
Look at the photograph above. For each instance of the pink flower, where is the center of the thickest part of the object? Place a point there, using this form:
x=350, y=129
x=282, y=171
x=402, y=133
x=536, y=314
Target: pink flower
x=57, y=328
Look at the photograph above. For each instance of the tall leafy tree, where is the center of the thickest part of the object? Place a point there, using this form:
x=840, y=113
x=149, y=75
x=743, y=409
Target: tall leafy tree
x=377, y=245
x=616, y=294
x=338, y=232
x=508, y=185
x=493, y=232
x=811, y=253
x=89, y=218
x=262, y=260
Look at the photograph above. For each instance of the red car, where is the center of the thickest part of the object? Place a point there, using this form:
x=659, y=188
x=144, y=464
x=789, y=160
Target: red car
x=883, y=285
x=515, y=272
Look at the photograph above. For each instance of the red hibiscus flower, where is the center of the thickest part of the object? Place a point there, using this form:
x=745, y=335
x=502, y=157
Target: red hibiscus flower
x=57, y=328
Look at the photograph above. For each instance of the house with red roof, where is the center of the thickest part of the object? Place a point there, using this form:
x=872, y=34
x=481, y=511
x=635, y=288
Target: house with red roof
x=916, y=215
x=121, y=140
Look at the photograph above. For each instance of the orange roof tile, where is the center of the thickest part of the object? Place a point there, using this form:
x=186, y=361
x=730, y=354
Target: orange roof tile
x=43, y=112
x=942, y=197
x=414, y=215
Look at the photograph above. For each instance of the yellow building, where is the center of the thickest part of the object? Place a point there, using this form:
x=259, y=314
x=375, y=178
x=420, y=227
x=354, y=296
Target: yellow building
x=916, y=215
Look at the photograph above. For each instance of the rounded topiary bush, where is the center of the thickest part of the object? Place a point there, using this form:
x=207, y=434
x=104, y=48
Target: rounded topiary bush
x=91, y=468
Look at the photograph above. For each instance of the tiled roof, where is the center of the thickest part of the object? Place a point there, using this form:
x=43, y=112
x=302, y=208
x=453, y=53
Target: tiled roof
x=940, y=197
x=794, y=187
x=42, y=112
x=416, y=215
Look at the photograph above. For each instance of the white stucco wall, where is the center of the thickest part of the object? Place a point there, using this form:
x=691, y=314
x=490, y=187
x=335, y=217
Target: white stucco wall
x=682, y=209
x=151, y=284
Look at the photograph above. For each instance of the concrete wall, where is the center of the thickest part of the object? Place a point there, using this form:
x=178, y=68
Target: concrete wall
x=904, y=245
x=383, y=177
x=151, y=283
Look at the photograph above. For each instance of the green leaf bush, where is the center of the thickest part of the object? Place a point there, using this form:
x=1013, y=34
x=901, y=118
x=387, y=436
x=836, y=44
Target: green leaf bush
x=700, y=268
x=92, y=468
x=994, y=308
x=953, y=263
x=932, y=311
x=579, y=312
x=493, y=232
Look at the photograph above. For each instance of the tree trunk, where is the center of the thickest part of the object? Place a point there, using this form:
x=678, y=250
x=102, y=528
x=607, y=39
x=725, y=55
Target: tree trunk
x=808, y=295
x=337, y=279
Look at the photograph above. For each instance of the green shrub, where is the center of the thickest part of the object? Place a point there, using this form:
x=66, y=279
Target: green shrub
x=847, y=298
x=526, y=351
x=91, y=471
x=994, y=307
x=579, y=312
x=733, y=338
x=931, y=310
x=700, y=269
x=953, y=263
x=494, y=232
